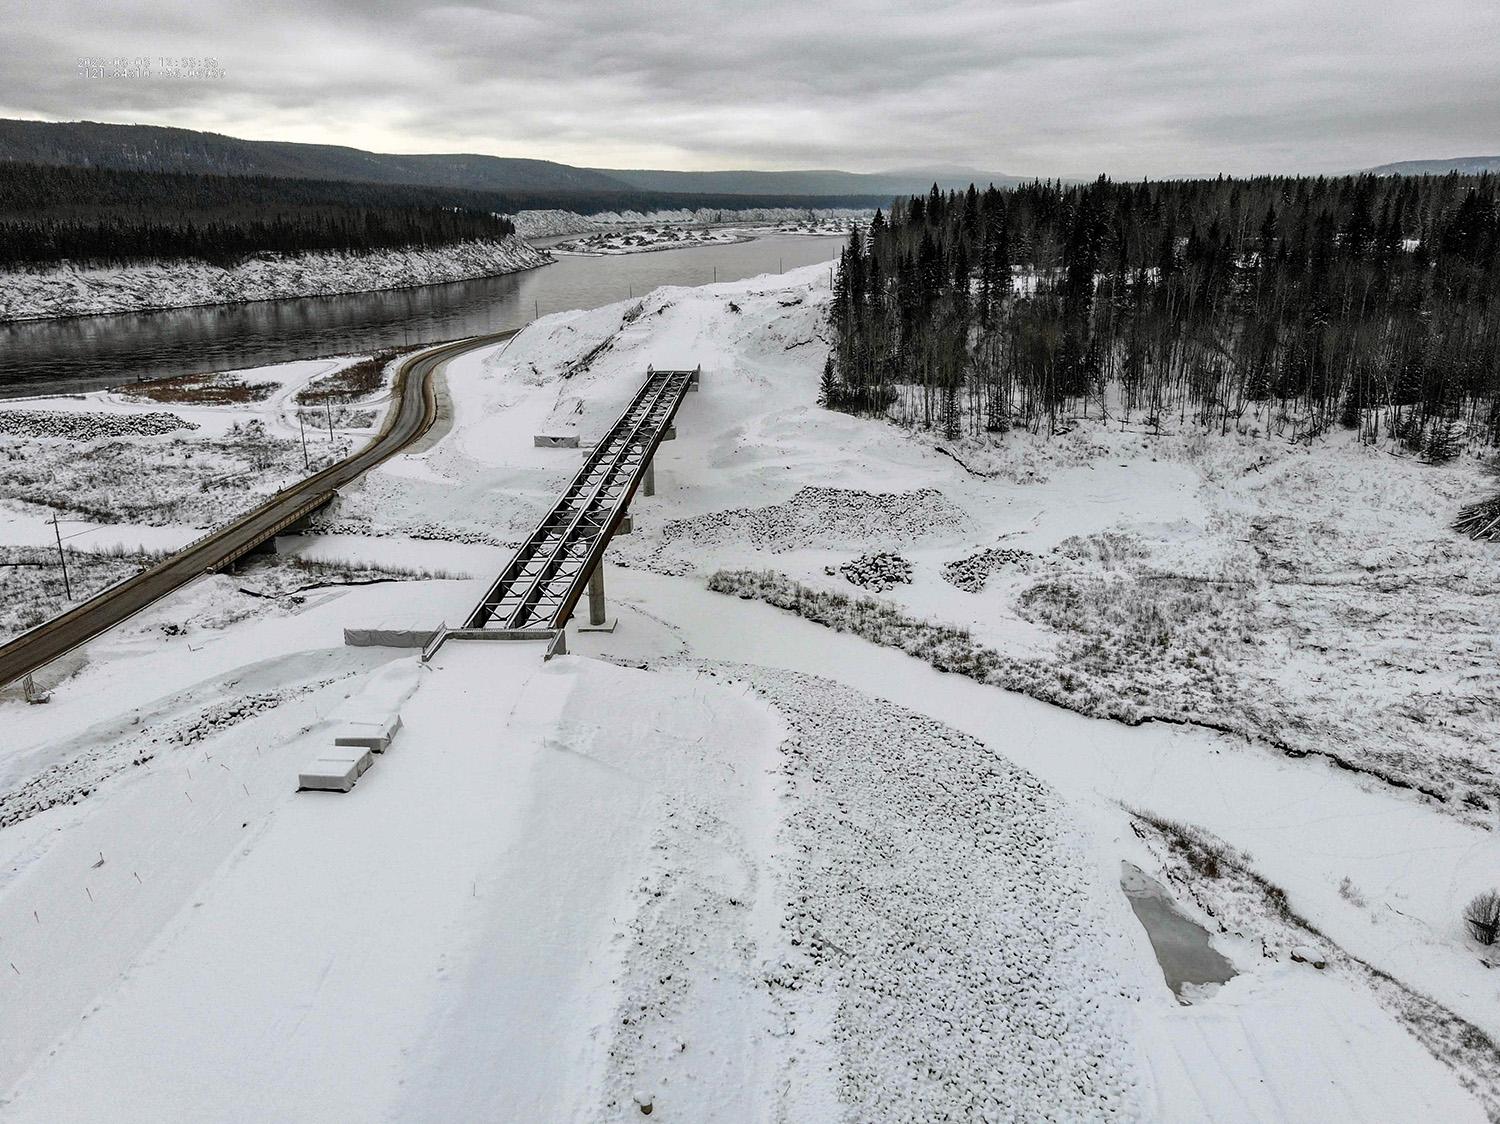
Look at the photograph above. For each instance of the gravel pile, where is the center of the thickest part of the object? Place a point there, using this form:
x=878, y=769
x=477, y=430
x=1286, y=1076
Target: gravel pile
x=427, y=532
x=828, y=517
x=878, y=571
x=933, y=887
x=87, y=426
x=969, y=574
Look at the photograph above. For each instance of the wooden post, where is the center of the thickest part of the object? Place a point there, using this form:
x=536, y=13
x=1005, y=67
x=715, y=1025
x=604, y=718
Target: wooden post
x=62, y=558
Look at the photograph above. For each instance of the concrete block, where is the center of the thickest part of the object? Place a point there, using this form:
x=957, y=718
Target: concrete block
x=373, y=733
x=360, y=756
x=388, y=636
x=329, y=776
x=607, y=626
x=555, y=441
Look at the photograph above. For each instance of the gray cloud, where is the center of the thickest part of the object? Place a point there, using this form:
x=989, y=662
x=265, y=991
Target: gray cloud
x=1041, y=87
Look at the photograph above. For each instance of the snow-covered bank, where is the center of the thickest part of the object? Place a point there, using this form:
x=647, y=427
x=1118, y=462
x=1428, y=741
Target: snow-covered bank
x=830, y=220
x=640, y=240
x=712, y=216
x=70, y=291
x=550, y=223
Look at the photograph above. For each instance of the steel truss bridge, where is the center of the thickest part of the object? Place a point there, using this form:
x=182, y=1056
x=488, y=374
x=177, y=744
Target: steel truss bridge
x=537, y=591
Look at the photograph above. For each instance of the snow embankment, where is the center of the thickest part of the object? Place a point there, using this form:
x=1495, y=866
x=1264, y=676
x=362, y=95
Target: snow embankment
x=75, y=291
x=549, y=223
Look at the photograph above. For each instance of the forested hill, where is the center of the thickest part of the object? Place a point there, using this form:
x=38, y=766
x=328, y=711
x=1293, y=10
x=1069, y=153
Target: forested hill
x=50, y=213
x=1285, y=304
x=151, y=148
x=95, y=216
x=886, y=184
x=1464, y=165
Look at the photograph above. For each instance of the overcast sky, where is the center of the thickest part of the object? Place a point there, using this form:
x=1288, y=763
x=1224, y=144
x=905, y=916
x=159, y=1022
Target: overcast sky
x=1047, y=87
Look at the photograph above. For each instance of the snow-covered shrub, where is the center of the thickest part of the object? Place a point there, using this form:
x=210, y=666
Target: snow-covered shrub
x=1482, y=916
x=1203, y=851
x=1351, y=894
x=1110, y=549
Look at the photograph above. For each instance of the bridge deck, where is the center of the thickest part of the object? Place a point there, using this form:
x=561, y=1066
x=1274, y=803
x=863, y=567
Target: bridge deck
x=540, y=586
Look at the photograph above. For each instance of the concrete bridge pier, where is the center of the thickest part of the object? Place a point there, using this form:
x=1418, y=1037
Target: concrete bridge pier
x=648, y=485
x=599, y=618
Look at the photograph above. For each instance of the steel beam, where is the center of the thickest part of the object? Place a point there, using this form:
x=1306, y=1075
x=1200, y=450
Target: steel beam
x=545, y=579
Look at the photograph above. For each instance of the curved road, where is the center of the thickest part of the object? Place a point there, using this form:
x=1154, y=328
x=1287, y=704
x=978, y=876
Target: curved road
x=414, y=412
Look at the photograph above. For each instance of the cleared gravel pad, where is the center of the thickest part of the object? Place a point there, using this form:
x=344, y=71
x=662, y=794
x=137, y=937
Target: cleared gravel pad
x=936, y=901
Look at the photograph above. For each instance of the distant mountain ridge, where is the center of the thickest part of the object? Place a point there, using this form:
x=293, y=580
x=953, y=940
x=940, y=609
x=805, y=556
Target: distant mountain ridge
x=1465, y=165
x=816, y=182
x=158, y=148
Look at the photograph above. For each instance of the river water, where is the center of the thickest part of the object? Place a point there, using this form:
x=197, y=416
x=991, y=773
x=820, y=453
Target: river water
x=93, y=352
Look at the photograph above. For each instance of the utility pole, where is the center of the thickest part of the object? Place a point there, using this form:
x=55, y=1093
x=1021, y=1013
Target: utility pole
x=328, y=409
x=306, y=464
x=536, y=310
x=62, y=558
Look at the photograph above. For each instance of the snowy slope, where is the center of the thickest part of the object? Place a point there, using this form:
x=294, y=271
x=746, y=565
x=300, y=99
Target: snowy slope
x=135, y=288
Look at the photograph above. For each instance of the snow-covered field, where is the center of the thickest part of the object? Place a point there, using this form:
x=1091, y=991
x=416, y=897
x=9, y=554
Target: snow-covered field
x=72, y=291
x=134, y=472
x=731, y=864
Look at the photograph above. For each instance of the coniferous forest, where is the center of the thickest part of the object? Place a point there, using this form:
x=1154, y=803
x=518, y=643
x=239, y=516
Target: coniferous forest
x=1291, y=304
x=105, y=217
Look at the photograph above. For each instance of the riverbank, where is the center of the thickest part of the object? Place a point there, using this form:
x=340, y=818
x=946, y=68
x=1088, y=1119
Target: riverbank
x=533, y=225
x=651, y=239
x=71, y=355
x=72, y=291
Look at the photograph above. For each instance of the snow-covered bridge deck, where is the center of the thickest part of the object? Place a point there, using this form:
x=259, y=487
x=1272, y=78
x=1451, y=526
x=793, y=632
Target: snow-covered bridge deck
x=537, y=590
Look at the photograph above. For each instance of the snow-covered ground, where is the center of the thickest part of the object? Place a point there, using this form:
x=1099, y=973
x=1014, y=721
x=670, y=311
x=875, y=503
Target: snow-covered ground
x=733, y=865
x=141, y=470
x=72, y=291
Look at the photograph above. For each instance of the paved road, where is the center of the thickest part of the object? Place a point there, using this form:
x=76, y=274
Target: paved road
x=411, y=417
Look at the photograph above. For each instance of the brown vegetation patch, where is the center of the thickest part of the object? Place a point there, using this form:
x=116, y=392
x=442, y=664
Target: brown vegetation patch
x=358, y=380
x=201, y=390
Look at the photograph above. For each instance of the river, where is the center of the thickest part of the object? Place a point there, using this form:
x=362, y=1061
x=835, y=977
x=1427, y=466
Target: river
x=93, y=352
